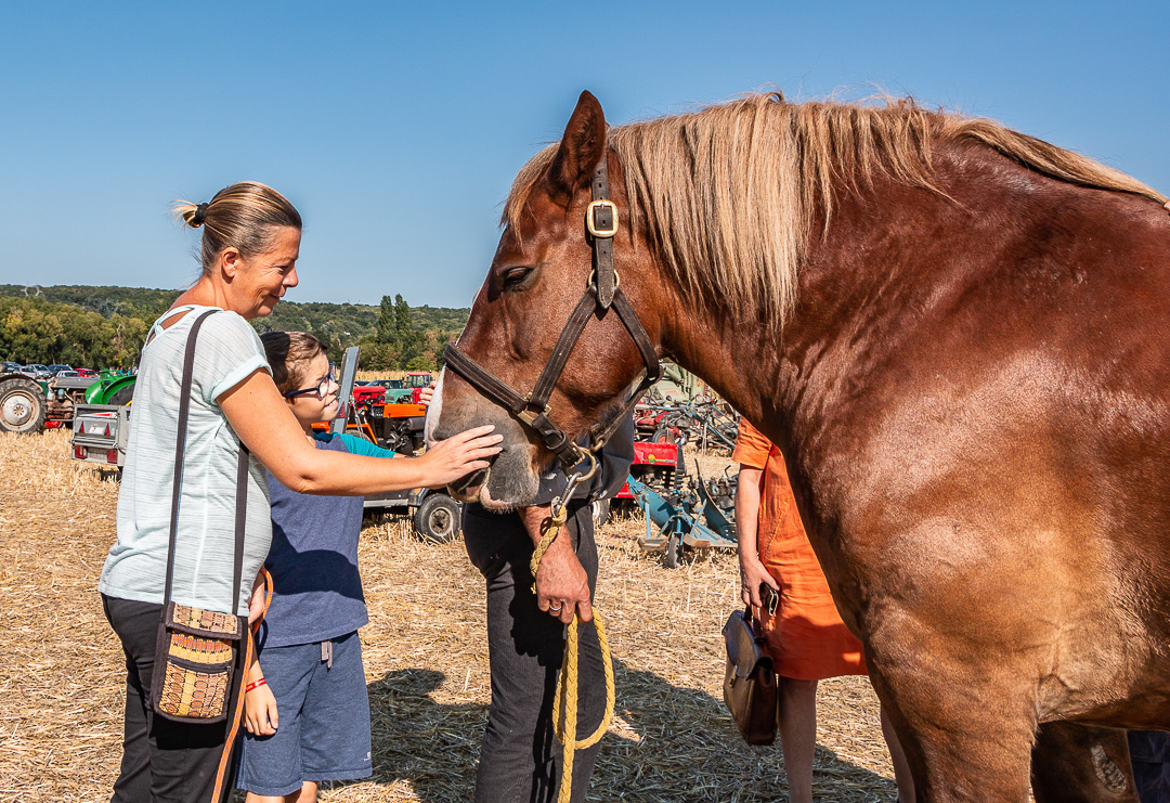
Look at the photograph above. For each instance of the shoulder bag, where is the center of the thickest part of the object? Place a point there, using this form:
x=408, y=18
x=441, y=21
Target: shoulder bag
x=749, y=682
x=198, y=657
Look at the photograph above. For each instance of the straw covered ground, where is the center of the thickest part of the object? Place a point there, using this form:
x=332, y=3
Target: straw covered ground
x=61, y=680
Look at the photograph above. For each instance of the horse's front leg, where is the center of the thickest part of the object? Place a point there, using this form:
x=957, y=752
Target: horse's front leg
x=1073, y=763
x=967, y=726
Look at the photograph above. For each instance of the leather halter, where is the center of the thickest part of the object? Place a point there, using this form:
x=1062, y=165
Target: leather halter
x=601, y=293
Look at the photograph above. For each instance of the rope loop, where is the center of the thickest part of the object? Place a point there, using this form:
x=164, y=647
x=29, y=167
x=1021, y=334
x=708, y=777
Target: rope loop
x=565, y=701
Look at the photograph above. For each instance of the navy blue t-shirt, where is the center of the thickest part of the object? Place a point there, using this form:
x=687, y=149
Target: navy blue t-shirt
x=317, y=591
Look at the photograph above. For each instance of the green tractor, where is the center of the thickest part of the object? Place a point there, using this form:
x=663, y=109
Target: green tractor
x=112, y=387
x=407, y=392
x=31, y=405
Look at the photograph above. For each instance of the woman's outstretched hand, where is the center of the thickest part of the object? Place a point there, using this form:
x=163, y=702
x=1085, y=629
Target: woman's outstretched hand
x=447, y=461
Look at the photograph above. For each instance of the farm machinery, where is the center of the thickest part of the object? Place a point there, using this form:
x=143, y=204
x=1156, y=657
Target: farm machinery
x=680, y=409
x=24, y=403
x=682, y=511
x=31, y=405
x=396, y=426
x=409, y=388
x=100, y=434
x=709, y=425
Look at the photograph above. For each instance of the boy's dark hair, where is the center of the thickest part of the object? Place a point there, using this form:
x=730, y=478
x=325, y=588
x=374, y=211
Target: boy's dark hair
x=289, y=354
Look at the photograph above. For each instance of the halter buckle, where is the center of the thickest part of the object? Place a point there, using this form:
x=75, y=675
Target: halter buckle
x=528, y=415
x=617, y=279
x=591, y=222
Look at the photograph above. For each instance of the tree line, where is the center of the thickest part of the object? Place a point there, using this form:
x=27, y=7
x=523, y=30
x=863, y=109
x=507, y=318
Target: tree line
x=106, y=326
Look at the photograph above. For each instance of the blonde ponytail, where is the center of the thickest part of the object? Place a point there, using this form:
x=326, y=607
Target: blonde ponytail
x=244, y=216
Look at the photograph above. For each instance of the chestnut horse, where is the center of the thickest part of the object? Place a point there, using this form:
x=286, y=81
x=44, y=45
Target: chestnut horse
x=958, y=335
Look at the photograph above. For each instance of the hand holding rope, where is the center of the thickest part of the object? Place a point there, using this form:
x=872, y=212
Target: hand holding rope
x=565, y=701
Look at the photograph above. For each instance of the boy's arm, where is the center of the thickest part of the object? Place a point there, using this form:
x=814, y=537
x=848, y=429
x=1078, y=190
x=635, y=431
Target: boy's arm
x=358, y=445
x=260, y=716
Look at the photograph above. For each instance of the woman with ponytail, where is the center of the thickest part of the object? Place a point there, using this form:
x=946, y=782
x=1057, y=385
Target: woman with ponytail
x=250, y=246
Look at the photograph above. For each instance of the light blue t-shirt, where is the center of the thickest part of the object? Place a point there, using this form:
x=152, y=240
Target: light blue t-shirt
x=227, y=351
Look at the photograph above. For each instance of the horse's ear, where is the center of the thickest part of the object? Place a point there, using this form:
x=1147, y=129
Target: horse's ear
x=580, y=150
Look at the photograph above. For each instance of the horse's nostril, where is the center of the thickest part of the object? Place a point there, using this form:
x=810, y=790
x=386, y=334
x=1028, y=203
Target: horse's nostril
x=473, y=480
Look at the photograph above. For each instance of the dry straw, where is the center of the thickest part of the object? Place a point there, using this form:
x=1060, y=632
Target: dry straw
x=61, y=682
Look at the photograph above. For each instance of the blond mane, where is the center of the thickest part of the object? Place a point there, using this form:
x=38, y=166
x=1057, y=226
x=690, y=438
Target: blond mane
x=729, y=192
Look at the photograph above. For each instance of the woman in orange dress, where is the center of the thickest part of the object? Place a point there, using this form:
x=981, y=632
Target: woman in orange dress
x=805, y=636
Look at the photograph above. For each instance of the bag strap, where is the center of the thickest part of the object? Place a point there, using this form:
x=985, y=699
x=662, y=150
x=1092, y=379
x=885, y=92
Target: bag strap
x=180, y=451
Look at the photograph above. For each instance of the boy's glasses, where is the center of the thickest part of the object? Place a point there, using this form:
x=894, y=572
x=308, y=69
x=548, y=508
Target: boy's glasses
x=321, y=388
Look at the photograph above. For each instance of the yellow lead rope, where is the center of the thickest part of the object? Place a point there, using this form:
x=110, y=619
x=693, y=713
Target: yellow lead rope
x=565, y=700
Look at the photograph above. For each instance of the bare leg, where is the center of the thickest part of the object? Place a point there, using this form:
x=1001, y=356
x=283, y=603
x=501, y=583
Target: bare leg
x=902, y=774
x=308, y=794
x=798, y=735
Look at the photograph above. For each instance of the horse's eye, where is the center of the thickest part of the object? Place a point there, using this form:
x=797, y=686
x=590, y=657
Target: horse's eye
x=515, y=278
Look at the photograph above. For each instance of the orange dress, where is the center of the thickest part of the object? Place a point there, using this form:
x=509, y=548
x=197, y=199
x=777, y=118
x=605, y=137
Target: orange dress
x=806, y=638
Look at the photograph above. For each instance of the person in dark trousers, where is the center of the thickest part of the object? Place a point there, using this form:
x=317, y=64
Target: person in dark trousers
x=520, y=757
x=1149, y=752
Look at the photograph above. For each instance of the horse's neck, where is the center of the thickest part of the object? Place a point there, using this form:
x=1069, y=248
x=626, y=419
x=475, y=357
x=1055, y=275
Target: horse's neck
x=877, y=263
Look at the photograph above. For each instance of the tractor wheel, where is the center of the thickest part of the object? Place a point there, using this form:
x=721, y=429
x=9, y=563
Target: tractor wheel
x=673, y=547
x=22, y=405
x=123, y=396
x=438, y=519
x=393, y=441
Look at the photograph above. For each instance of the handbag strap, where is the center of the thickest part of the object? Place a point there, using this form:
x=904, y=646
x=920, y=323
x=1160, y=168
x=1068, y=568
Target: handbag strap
x=242, y=466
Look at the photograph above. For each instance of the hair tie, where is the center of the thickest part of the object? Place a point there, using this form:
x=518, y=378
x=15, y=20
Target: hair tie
x=200, y=214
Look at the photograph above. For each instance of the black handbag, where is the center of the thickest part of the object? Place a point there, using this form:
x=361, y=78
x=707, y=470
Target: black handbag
x=749, y=682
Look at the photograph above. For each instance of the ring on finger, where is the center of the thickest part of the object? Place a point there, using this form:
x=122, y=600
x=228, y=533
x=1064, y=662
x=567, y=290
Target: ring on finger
x=556, y=608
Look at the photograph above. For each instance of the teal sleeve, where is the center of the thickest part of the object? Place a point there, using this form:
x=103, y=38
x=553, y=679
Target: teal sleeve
x=357, y=445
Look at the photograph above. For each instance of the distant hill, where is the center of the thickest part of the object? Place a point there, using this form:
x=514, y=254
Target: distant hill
x=339, y=325
x=133, y=302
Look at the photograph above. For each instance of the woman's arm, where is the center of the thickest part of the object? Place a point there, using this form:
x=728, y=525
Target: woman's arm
x=262, y=420
x=747, y=513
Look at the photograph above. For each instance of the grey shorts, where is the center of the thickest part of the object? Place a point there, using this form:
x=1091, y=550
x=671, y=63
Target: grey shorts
x=323, y=715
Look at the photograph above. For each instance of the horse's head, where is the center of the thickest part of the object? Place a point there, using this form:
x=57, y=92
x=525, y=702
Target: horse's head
x=541, y=277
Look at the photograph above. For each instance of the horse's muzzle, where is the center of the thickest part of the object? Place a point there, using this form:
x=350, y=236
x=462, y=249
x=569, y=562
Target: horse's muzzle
x=467, y=487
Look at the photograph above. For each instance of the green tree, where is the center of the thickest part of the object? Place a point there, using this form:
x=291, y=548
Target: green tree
x=377, y=356
x=33, y=333
x=402, y=324
x=387, y=322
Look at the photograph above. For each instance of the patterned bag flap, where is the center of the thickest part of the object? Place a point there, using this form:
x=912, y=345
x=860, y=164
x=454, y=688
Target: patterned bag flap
x=202, y=622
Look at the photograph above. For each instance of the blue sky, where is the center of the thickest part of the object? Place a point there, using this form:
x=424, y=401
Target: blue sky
x=396, y=128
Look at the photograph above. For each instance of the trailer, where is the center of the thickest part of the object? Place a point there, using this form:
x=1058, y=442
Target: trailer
x=100, y=432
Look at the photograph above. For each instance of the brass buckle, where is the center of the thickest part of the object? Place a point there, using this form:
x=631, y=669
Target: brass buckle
x=528, y=416
x=591, y=225
x=617, y=279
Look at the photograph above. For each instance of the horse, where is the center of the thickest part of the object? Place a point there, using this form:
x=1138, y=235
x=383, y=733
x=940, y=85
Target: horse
x=959, y=337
